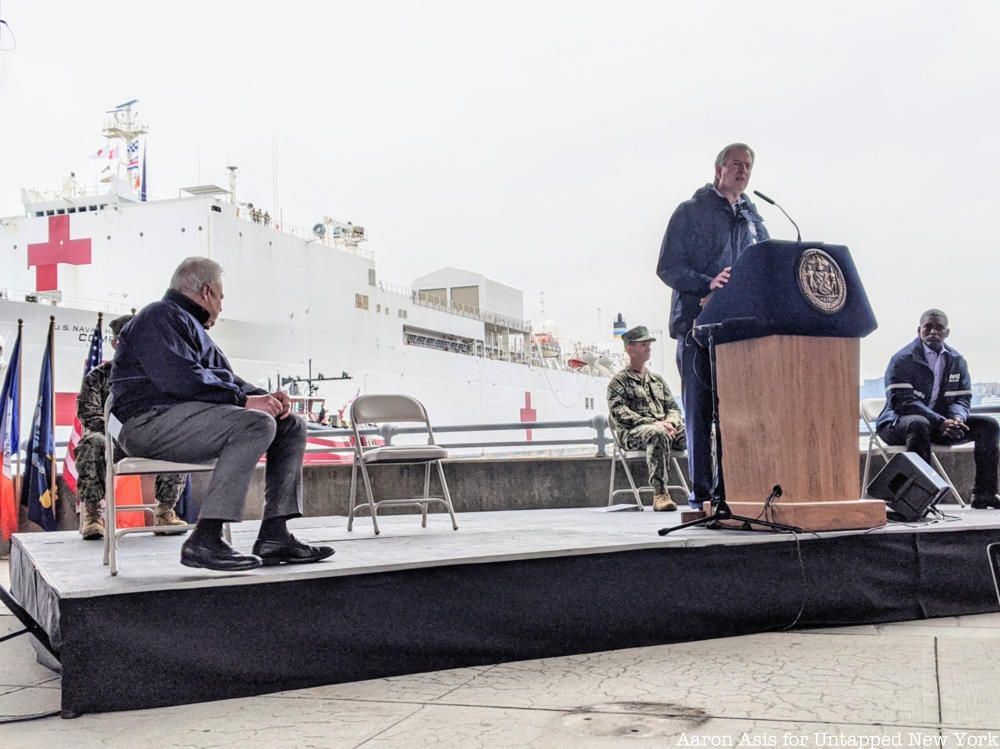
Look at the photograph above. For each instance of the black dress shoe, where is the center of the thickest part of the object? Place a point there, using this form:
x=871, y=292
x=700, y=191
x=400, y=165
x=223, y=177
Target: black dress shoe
x=289, y=551
x=215, y=554
x=985, y=502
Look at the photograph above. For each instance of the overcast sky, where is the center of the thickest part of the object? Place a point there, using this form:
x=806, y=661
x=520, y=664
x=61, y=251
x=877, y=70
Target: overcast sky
x=546, y=144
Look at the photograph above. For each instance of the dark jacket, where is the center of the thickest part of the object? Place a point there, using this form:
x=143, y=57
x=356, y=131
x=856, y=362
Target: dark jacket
x=909, y=382
x=165, y=357
x=703, y=237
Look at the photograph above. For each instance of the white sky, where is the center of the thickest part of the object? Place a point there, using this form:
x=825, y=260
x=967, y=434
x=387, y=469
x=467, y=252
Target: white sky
x=546, y=143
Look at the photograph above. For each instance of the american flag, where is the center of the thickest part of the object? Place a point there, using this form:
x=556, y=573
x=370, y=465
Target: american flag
x=133, y=155
x=94, y=357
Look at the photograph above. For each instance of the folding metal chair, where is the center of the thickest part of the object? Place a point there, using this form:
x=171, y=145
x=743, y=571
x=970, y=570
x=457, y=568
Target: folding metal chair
x=870, y=409
x=134, y=467
x=381, y=409
x=620, y=455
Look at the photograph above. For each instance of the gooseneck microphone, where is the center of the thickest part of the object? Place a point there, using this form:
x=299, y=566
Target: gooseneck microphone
x=762, y=196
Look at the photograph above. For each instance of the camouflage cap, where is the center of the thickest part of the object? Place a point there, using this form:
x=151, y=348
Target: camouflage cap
x=118, y=323
x=638, y=334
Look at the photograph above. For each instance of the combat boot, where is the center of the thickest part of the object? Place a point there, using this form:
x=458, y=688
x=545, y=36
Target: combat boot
x=92, y=527
x=164, y=515
x=663, y=503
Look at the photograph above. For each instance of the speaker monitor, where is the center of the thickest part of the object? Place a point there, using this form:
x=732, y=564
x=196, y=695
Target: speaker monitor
x=909, y=486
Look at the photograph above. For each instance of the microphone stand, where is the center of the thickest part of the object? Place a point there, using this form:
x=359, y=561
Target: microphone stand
x=762, y=196
x=720, y=509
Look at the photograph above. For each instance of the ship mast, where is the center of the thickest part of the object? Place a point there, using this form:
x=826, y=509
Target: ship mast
x=122, y=125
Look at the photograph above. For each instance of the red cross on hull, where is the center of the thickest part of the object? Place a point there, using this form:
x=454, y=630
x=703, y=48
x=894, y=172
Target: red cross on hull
x=528, y=414
x=46, y=256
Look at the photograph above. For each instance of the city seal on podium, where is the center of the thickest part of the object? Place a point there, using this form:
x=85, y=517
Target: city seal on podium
x=821, y=282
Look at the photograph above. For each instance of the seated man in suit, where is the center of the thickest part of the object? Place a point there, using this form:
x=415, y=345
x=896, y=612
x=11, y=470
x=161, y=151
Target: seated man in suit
x=928, y=392
x=644, y=414
x=178, y=399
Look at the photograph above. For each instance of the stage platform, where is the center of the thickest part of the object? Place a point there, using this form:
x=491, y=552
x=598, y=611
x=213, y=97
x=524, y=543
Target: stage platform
x=506, y=586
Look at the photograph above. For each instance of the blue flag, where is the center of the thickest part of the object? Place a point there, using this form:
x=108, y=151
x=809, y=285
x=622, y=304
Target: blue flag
x=36, y=487
x=10, y=440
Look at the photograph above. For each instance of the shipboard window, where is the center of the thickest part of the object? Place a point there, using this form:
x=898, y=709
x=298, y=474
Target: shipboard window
x=371, y=276
x=361, y=301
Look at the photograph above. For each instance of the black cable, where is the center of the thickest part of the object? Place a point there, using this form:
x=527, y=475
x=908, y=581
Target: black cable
x=13, y=38
x=805, y=584
x=8, y=719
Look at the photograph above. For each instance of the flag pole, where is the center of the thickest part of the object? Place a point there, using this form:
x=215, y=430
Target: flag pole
x=52, y=400
x=16, y=418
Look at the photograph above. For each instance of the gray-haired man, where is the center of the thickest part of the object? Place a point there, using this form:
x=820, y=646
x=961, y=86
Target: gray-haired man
x=179, y=399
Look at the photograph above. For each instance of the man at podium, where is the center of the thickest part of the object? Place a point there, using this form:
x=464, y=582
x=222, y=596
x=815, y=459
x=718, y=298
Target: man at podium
x=703, y=239
x=928, y=391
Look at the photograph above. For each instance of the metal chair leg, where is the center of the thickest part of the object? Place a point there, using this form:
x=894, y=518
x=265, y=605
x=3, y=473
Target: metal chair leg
x=867, y=471
x=427, y=493
x=372, y=506
x=951, y=486
x=631, y=481
x=354, y=494
x=611, y=485
x=447, y=495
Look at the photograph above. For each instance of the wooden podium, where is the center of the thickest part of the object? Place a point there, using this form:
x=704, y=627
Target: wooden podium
x=787, y=369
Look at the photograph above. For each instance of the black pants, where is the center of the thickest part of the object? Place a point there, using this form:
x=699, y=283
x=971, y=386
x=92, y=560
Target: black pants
x=696, y=396
x=917, y=434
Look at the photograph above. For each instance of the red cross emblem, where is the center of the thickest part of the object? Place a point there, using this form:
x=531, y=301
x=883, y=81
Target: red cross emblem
x=528, y=414
x=46, y=256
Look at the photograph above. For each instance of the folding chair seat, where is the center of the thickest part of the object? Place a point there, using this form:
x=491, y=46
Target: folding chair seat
x=382, y=409
x=870, y=409
x=133, y=467
x=620, y=455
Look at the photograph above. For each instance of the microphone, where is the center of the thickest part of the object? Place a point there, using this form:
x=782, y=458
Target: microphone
x=762, y=196
x=705, y=327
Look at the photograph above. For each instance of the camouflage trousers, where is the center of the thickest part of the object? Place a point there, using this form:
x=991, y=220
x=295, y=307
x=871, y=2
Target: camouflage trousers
x=90, y=472
x=657, y=445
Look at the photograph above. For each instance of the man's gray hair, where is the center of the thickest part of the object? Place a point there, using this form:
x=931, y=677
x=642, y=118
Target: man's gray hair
x=721, y=158
x=193, y=273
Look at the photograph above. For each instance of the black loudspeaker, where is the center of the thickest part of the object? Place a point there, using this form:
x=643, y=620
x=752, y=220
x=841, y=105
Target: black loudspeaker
x=909, y=487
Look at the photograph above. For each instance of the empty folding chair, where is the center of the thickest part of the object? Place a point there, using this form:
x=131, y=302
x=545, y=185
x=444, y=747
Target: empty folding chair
x=382, y=409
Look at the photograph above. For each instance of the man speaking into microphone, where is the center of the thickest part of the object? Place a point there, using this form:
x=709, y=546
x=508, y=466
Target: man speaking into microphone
x=703, y=239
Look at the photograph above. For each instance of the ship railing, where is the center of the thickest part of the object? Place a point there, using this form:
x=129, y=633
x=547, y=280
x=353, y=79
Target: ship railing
x=308, y=235
x=57, y=300
x=599, y=436
x=457, y=308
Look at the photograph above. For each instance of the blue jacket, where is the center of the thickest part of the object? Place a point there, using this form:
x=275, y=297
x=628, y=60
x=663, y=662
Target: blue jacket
x=703, y=237
x=165, y=357
x=909, y=382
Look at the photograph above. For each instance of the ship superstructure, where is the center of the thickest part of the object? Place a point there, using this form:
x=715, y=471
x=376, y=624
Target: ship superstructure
x=295, y=298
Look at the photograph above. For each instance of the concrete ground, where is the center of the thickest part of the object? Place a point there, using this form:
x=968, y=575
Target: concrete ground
x=929, y=683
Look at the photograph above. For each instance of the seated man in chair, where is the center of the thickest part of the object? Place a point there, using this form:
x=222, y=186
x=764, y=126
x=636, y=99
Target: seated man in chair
x=928, y=392
x=90, y=453
x=179, y=400
x=644, y=414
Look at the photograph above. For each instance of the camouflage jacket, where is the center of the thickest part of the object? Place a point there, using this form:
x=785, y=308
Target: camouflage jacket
x=635, y=399
x=93, y=394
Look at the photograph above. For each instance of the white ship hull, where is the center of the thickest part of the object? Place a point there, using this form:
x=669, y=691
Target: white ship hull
x=289, y=299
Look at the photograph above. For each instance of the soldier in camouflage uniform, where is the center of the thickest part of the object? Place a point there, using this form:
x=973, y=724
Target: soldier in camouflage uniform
x=644, y=414
x=89, y=456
